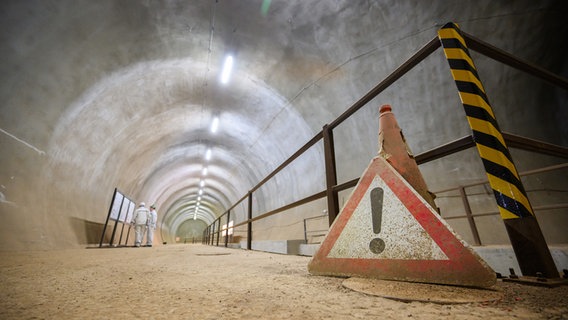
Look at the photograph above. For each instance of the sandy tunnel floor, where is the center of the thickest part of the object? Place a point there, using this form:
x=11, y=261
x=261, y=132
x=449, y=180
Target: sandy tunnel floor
x=202, y=282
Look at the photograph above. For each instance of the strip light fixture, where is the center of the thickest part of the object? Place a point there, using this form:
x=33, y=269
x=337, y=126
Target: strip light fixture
x=215, y=125
x=227, y=68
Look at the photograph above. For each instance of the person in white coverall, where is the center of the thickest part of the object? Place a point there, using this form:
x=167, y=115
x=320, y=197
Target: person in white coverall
x=152, y=220
x=140, y=221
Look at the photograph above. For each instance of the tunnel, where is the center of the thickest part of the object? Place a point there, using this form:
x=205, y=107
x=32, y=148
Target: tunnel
x=134, y=96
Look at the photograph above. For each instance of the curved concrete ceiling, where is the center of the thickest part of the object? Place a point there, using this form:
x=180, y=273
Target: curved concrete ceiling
x=98, y=95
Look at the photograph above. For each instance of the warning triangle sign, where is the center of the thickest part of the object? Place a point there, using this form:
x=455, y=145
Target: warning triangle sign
x=386, y=230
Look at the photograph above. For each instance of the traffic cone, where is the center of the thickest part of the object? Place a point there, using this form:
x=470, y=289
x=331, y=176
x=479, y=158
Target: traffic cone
x=393, y=148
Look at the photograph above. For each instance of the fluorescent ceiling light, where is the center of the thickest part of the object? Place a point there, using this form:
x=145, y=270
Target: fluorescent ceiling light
x=200, y=191
x=204, y=171
x=215, y=124
x=227, y=68
x=202, y=183
x=208, y=155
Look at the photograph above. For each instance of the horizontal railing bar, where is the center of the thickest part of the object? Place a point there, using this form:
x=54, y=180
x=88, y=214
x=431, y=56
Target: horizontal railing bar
x=346, y=185
x=494, y=213
x=446, y=149
x=290, y=206
x=524, y=173
x=390, y=79
x=545, y=169
x=433, y=154
x=316, y=217
x=495, y=53
x=311, y=198
x=298, y=153
x=523, y=143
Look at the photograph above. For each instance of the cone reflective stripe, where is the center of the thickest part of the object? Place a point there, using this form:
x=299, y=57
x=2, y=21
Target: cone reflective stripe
x=393, y=148
x=514, y=207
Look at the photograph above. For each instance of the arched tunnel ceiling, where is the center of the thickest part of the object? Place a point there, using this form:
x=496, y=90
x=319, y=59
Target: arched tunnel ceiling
x=104, y=94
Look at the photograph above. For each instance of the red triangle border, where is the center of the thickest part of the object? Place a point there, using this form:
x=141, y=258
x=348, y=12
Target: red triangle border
x=464, y=267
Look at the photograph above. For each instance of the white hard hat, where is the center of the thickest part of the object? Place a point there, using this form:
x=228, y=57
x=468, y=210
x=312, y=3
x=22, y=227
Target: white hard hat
x=142, y=204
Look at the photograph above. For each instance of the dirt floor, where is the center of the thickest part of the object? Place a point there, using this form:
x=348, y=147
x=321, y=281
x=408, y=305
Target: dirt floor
x=202, y=282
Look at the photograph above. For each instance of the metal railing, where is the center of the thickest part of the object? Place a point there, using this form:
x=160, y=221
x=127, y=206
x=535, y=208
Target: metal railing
x=470, y=216
x=314, y=233
x=212, y=233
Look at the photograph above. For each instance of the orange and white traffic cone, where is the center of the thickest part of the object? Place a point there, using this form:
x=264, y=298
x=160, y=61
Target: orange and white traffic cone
x=393, y=148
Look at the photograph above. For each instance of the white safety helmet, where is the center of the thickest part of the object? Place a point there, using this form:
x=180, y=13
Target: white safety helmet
x=142, y=204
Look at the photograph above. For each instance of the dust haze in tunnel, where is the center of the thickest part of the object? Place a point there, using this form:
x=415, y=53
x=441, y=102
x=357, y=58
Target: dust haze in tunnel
x=97, y=95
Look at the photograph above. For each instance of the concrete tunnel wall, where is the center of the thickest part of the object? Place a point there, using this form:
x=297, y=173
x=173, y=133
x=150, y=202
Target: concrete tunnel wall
x=97, y=95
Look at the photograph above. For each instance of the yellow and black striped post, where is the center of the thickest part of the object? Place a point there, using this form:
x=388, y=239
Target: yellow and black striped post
x=524, y=232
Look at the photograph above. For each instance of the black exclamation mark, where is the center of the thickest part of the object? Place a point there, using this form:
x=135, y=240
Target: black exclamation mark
x=377, y=245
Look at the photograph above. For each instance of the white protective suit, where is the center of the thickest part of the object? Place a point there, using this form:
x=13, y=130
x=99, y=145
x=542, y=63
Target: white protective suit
x=140, y=221
x=152, y=220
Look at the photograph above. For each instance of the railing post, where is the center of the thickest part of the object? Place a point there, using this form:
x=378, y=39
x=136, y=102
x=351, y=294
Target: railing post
x=213, y=233
x=218, y=231
x=249, y=224
x=468, y=213
x=305, y=232
x=227, y=230
x=516, y=211
x=330, y=173
x=214, y=226
x=213, y=230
